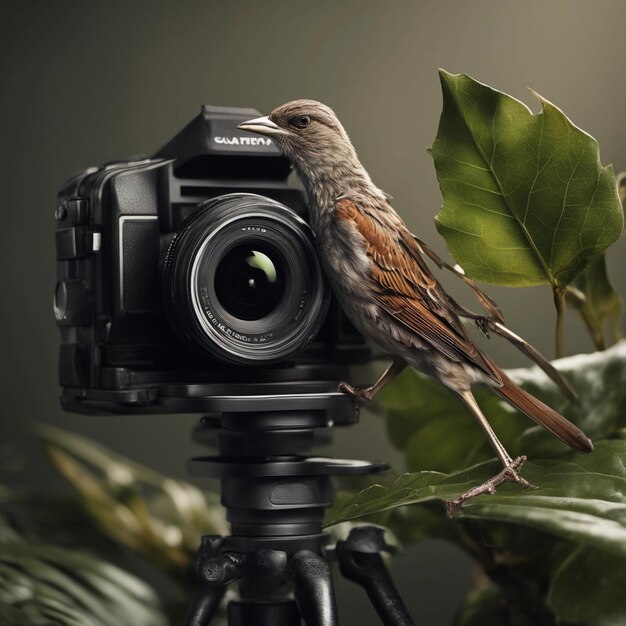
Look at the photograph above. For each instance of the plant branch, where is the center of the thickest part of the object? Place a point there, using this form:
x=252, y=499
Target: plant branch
x=559, y=303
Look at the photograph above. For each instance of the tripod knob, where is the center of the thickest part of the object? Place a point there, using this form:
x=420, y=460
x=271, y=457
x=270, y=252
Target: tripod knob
x=221, y=569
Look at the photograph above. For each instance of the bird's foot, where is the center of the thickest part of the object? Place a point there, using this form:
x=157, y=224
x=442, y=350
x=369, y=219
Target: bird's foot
x=483, y=323
x=508, y=474
x=359, y=395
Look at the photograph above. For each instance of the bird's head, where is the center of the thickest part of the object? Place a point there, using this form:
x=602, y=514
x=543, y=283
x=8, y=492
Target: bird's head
x=309, y=134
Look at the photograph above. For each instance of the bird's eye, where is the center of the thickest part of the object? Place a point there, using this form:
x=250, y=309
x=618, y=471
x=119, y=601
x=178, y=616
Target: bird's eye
x=301, y=121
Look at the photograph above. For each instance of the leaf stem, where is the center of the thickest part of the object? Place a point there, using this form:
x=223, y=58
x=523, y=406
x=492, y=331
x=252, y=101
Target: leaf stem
x=578, y=301
x=559, y=302
x=595, y=330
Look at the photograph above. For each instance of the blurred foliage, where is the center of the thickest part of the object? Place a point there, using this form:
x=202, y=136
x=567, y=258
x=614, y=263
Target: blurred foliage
x=590, y=572
x=56, y=552
x=43, y=584
x=599, y=306
x=158, y=517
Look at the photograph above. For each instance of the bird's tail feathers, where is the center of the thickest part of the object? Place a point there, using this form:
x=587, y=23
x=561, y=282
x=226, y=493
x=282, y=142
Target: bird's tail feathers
x=544, y=415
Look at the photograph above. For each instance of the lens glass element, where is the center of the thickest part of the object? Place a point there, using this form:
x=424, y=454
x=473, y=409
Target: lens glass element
x=241, y=280
x=250, y=283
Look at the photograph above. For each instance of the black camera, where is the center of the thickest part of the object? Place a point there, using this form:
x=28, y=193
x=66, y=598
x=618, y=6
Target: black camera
x=192, y=272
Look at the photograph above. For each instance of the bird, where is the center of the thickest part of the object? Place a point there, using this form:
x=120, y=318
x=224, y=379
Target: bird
x=379, y=274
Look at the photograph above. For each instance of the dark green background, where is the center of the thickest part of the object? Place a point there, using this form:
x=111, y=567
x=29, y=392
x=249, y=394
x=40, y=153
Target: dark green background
x=87, y=82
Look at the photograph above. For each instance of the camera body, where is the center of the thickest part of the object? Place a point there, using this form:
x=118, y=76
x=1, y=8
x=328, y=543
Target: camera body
x=192, y=271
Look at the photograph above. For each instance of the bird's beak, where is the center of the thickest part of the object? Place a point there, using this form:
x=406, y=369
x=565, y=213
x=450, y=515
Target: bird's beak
x=262, y=126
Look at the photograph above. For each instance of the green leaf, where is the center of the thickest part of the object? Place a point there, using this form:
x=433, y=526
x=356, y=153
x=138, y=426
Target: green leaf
x=579, y=498
x=598, y=304
x=412, y=524
x=42, y=584
x=588, y=589
x=436, y=431
x=154, y=515
x=408, y=489
x=526, y=199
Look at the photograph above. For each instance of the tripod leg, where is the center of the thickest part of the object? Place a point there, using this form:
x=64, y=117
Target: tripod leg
x=313, y=588
x=360, y=561
x=204, y=606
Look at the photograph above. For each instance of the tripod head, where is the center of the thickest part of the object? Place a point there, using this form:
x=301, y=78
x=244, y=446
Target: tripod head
x=275, y=498
x=270, y=488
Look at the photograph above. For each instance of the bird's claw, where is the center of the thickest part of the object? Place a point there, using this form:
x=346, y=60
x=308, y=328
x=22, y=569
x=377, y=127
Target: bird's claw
x=512, y=475
x=483, y=323
x=508, y=474
x=359, y=395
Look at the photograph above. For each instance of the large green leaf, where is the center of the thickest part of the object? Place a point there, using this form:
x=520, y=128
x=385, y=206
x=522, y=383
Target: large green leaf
x=526, y=199
x=42, y=584
x=589, y=589
x=579, y=497
x=437, y=432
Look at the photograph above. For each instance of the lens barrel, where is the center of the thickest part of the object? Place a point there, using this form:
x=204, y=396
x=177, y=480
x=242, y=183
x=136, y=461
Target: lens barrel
x=241, y=280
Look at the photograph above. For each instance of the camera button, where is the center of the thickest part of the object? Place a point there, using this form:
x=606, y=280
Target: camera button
x=95, y=241
x=77, y=210
x=69, y=243
x=60, y=213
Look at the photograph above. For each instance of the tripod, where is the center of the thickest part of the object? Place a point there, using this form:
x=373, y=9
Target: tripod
x=275, y=498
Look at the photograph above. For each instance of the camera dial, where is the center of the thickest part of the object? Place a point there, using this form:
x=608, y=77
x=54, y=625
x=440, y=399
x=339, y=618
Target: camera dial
x=241, y=280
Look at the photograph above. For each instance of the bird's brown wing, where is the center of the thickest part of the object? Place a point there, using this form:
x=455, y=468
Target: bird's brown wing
x=405, y=288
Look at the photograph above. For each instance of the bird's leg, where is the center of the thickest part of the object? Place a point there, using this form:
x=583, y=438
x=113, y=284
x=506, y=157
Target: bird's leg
x=509, y=473
x=523, y=346
x=488, y=324
x=511, y=466
x=366, y=394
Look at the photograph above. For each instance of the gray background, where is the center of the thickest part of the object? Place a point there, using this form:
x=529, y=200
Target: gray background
x=83, y=83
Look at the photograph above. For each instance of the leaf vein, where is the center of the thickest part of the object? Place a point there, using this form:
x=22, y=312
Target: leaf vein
x=521, y=225
x=556, y=228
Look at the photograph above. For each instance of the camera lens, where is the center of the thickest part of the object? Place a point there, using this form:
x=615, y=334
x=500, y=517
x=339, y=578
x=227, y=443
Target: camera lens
x=250, y=283
x=241, y=280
